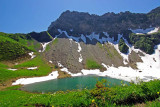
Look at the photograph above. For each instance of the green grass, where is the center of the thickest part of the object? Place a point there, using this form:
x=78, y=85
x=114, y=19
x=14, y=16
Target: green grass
x=155, y=103
x=16, y=87
x=111, y=51
x=91, y=64
x=101, y=96
x=55, y=41
x=48, y=47
x=32, y=46
x=3, y=65
x=137, y=93
x=37, y=61
x=108, y=51
x=43, y=69
x=100, y=45
x=16, y=98
x=49, y=35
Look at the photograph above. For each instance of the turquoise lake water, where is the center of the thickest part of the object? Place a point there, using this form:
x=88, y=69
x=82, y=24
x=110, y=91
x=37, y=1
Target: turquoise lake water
x=64, y=84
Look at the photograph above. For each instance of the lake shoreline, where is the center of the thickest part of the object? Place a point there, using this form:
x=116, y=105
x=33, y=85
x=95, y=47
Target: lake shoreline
x=79, y=82
x=32, y=80
x=122, y=73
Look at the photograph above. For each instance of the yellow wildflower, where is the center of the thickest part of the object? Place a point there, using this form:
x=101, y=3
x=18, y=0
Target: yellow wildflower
x=157, y=92
x=93, y=101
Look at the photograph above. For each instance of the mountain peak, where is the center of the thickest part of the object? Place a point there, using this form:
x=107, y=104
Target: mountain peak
x=156, y=10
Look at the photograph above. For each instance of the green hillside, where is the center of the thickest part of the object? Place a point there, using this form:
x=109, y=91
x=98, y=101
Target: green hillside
x=13, y=46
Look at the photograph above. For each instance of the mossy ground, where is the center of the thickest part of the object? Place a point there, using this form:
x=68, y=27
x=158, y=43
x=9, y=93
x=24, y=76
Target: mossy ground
x=91, y=64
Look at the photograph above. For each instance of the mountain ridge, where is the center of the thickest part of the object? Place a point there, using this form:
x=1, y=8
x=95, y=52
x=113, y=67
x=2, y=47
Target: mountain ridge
x=84, y=23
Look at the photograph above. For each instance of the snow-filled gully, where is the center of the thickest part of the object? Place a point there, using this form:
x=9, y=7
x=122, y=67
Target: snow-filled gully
x=79, y=50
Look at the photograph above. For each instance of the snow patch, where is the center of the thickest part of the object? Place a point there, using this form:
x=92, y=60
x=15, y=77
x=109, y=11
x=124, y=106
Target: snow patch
x=50, y=61
x=151, y=63
x=70, y=41
x=69, y=37
x=79, y=50
x=145, y=31
x=25, y=81
x=59, y=64
x=153, y=31
x=75, y=75
x=123, y=73
x=44, y=45
x=67, y=71
x=32, y=68
x=79, y=47
x=80, y=58
x=12, y=69
x=129, y=74
x=91, y=72
x=32, y=55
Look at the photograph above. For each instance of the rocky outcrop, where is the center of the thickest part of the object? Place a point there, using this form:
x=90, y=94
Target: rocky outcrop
x=76, y=23
x=40, y=37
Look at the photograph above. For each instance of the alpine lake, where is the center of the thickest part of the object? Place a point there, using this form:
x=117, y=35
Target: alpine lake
x=72, y=83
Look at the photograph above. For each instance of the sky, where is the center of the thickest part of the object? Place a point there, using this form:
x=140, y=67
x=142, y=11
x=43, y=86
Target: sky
x=24, y=16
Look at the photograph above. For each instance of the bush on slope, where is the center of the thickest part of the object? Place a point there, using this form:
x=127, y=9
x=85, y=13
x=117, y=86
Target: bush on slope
x=10, y=48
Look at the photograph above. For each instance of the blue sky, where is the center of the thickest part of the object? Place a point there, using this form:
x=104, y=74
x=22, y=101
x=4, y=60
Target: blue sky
x=24, y=16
